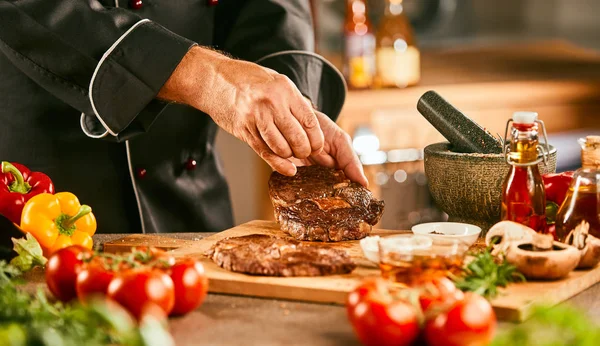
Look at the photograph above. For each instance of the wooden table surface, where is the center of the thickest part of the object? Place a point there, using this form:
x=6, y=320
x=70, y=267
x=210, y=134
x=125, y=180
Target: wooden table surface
x=233, y=320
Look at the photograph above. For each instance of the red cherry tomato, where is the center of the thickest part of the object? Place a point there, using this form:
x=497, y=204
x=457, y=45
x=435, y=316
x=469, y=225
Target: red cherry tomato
x=93, y=279
x=191, y=286
x=134, y=288
x=359, y=293
x=470, y=321
x=380, y=320
x=62, y=270
x=439, y=291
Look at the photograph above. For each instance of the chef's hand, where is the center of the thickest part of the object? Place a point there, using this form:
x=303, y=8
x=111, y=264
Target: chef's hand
x=337, y=152
x=257, y=105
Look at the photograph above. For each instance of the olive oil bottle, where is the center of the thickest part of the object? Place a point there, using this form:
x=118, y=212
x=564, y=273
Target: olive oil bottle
x=582, y=202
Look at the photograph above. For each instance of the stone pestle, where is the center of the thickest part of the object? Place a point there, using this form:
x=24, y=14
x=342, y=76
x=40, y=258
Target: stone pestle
x=464, y=135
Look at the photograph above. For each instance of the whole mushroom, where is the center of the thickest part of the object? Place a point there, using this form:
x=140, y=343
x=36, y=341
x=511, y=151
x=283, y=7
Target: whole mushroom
x=588, y=245
x=536, y=256
x=504, y=233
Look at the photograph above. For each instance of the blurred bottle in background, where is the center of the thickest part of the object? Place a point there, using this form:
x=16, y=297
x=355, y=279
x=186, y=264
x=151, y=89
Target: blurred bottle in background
x=398, y=60
x=359, y=46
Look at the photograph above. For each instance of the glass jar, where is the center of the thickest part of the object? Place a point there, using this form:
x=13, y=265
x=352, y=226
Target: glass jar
x=582, y=199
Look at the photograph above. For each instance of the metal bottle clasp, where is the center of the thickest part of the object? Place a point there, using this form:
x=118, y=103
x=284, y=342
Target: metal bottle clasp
x=540, y=149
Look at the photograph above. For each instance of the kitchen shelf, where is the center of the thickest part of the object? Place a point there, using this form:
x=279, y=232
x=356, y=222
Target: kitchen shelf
x=558, y=80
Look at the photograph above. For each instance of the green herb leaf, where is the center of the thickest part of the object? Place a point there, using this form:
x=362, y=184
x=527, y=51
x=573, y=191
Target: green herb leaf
x=483, y=275
x=29, y=252
x=552, y=326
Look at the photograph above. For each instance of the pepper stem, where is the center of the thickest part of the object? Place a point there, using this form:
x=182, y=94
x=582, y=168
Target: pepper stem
x=19, y=185
x=70, y=221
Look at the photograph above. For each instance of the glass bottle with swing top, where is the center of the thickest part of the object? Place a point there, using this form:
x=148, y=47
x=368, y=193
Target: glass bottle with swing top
x=523, y=194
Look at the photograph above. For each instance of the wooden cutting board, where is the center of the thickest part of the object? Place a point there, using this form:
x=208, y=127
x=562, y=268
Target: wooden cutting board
x=135, y=240
x=513, y=304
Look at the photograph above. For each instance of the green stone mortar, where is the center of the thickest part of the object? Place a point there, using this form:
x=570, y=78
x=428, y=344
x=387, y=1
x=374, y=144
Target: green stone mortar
x=468, y=186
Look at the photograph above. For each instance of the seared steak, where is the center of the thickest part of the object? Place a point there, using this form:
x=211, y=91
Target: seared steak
x=321, y=204
x=261, y=254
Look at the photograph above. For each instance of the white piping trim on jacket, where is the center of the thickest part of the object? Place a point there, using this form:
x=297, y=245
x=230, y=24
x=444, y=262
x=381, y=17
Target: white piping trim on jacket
x=104, y=57
x=305, y=52
x=135, y=191
x=87, y=133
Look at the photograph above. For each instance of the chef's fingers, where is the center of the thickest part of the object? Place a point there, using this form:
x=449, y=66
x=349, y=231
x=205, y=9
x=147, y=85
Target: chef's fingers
x=338, y=145
x=323, y=159
x=347, y=160
x=303, y=111
x=273, y=137
x=293, y=132
x=277, y=163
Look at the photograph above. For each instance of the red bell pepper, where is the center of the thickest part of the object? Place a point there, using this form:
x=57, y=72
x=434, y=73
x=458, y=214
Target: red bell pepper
x=557, y=185
x=17, y=185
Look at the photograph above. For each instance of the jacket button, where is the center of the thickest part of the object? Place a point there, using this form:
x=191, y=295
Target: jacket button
x=140, y=173
x=135, y=4
x=212, y=2
x=191, y=164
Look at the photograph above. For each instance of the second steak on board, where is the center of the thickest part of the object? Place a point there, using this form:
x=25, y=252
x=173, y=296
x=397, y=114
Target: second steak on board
x=260, y=254
x=321, y=204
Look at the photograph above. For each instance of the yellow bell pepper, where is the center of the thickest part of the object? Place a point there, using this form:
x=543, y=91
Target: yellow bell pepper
x=58, y=221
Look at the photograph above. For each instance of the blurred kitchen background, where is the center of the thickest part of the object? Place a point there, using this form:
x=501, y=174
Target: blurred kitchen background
x=488, y=58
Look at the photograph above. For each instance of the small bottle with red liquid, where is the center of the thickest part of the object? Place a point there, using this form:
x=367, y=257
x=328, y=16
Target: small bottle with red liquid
x=582, y=202
x=523, y=194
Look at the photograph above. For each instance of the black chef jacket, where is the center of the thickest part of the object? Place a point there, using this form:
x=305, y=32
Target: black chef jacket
x=78, y=80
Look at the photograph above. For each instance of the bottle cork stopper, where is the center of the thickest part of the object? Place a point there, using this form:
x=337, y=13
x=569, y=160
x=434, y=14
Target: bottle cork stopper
x=590, y=154
x=591, y=140
x=524, y=117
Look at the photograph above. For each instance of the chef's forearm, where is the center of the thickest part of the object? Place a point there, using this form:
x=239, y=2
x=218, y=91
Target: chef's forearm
x=283, y=41
x=193, y=78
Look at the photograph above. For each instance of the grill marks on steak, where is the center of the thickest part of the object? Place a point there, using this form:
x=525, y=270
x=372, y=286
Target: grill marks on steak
x=260, y=254
x=321, y=204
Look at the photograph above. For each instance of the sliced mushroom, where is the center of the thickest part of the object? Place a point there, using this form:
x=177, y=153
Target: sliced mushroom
x=551, y=264
x=508, y=232
x=588, y=245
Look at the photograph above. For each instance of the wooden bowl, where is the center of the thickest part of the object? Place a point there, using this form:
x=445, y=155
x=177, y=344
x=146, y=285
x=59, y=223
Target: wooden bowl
x=468, y=187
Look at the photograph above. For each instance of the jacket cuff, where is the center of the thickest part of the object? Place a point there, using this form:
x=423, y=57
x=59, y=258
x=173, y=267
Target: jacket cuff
x=315, y=77
x=129, y=76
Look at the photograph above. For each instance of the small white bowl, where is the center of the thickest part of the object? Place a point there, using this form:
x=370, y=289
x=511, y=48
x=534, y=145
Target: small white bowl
x=370, y=248
x=370, y=245
x=449, y=231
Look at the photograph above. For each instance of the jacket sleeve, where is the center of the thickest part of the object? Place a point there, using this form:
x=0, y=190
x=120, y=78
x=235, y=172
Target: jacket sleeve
x=107, y=63
x=278, y=34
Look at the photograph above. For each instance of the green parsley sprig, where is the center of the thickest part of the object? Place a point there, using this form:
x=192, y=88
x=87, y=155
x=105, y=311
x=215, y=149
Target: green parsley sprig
x=484, y=274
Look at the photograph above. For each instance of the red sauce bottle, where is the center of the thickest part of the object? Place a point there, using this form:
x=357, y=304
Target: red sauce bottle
x=523, y=194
